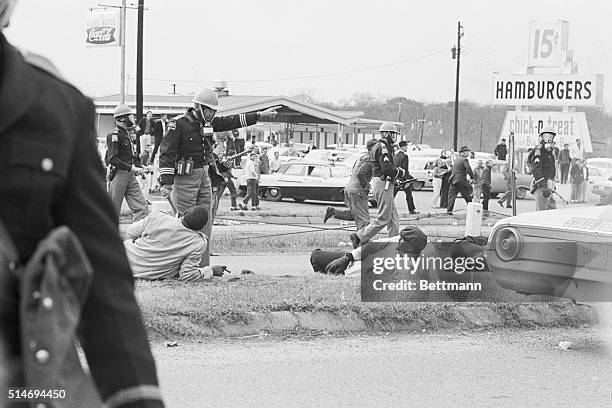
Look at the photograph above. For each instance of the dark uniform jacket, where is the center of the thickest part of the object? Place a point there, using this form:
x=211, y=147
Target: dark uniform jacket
x=461, y=168
x=543, y=166
x=51, y=175
x=186, y=139
x=121, y=151
x=381, y=157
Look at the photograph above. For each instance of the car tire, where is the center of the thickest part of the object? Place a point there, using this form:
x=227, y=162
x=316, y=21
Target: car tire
x=521, y=193
x=417, y=185
x=274, y=194
x=299, y=199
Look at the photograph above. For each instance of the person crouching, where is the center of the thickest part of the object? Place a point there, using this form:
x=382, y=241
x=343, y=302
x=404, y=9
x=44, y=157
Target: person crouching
x=162, y=246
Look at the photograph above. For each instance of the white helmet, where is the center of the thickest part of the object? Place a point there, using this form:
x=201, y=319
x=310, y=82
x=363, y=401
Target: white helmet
x=207, y=97
x=388, y=127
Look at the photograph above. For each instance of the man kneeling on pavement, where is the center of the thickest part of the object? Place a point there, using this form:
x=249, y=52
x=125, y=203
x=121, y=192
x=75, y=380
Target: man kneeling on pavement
x=162, y=246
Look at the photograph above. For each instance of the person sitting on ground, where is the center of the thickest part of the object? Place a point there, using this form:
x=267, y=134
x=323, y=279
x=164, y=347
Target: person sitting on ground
x=356, y=193
x=162, y=246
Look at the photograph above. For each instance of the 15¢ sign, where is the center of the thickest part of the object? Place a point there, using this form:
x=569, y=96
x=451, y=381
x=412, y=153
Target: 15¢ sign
x=547, y=44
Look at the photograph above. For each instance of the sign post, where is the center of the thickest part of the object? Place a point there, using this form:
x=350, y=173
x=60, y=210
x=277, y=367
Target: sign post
x=512, y=173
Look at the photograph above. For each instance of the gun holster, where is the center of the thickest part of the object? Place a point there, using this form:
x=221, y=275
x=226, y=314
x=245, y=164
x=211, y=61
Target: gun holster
x=111, y=173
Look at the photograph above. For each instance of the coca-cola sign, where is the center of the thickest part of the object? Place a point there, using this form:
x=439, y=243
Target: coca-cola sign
x=103, y=28
x=101, y=35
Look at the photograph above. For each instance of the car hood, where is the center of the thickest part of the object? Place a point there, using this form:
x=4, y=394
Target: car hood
x=586, y=219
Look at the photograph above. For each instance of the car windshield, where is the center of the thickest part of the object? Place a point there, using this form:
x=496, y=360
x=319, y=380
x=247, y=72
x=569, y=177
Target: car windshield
x=295, y=170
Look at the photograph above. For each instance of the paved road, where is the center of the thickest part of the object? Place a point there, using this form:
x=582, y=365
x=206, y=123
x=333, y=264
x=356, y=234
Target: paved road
x=499, y=369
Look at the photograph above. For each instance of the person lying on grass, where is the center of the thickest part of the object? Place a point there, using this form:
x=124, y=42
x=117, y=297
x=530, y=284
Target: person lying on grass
x=162, y=246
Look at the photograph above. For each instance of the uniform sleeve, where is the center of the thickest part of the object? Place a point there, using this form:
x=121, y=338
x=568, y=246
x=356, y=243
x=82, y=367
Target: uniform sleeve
x=538, y=174
x=114, y=154
x=168, y=151
x=111, y=331
x=225, y=123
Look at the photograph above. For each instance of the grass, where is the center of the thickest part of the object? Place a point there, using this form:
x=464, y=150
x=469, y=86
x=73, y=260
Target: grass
x=176, y=309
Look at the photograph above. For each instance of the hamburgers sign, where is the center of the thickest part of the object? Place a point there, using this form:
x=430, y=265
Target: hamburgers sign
x=103, y=28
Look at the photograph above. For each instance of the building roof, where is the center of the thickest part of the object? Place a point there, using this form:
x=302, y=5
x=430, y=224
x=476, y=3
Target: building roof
x=290, y=110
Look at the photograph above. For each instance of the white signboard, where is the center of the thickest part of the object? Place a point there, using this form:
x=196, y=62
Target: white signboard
x=526, y=126
x=548, y=90
x=103, y=29
x=547, y=44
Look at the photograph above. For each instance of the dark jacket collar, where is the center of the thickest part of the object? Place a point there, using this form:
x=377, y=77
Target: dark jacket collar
x=19, y=86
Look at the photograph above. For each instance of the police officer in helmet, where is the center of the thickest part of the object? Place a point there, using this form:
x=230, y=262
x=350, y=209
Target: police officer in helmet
x=543, y=168
x=186, y=153
x=125, y=164
x=383, y=175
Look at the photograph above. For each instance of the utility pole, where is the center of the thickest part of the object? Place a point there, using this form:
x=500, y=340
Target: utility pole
x=122, y=18
x=422, y=127
x=456, y=54
x=139, y=60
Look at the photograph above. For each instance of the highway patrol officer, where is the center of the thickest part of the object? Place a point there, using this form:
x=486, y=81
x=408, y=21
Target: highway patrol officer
x=383, y=175
x=543, y=167
x=125, y=165
x=185, y=153
x=51, y=175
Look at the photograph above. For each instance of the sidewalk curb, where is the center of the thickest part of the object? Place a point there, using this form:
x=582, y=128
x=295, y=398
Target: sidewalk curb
x=445, y=316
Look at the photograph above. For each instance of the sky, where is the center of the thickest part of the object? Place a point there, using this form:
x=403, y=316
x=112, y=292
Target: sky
x=331, y=49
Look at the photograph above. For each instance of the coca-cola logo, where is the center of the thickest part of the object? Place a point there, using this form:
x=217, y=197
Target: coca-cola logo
x=101, y=35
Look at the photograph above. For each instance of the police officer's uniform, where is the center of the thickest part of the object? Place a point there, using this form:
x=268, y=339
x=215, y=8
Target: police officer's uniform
x=544, y=172
x=381, y=157
x=122, y=156
x=51, y=175
x=189, y=139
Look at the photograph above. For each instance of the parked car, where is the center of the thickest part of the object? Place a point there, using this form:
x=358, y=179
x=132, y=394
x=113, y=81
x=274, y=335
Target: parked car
x=601, y=184
x=602, y=163
x=328, y=155
x=498, y=184
x=565, y=252
x=303, y=181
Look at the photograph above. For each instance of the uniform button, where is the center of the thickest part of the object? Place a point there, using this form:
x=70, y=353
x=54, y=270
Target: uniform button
x=47, y=303
x=33, y=344
x=36, y=294
x=42, y=356
x=46, y=164
x=12, y=266
x=41, y=405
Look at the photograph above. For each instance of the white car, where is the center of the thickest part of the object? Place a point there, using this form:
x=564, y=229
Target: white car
x=601, y=163
x=565, y=252
x=303, y=181
x=600, y=182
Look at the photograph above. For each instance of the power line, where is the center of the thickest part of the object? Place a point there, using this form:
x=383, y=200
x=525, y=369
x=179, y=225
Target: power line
x=313, y=76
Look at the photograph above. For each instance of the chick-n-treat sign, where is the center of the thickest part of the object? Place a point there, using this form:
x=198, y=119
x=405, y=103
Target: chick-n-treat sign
x=527, y=125
x=103, y=29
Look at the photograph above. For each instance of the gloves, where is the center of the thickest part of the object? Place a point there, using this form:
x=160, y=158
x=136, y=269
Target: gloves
x=338, y=266
x=166, y=190
x=546, y=192
x=219, y=270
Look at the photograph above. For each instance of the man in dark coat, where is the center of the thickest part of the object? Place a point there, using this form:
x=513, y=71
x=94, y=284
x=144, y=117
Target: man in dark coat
x=51, y=175
x=459, y=181
x=401, y=160
x=501, y=150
